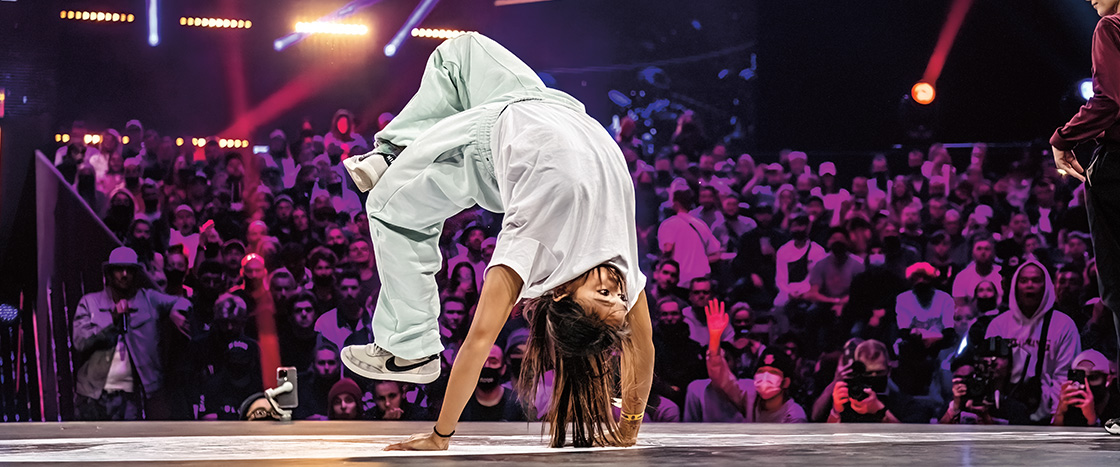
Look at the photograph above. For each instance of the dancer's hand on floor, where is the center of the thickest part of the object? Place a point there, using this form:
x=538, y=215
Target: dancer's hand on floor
x=628, y=433
x=421, y=442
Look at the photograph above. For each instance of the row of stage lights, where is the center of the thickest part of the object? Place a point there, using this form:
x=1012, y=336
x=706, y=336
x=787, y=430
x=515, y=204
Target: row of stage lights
x=197, y=142
x=215, y=22
x=429, y=33
x=326, y=27
x=97, y=16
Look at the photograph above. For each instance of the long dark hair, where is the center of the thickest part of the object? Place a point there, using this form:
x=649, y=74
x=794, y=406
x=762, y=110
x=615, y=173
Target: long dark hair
x=574, y=342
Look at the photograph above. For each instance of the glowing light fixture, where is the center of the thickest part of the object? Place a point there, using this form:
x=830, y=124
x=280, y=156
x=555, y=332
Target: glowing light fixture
x=923, y=93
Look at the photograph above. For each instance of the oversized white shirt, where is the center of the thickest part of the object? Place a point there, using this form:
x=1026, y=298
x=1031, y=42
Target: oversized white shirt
x=568, y=199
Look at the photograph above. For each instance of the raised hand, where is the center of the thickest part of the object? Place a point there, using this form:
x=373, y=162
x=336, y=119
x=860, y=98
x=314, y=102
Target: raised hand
x=717, y=317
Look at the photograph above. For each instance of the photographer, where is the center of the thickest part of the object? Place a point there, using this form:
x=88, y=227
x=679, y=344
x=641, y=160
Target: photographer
x=978, y=397
x=863, y=393
x=1090, y=396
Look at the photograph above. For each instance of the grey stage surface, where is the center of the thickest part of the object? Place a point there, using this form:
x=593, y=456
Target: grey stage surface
x=319, y=443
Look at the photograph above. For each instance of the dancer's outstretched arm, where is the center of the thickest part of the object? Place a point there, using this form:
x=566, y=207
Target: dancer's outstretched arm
x=499, y=294
x=637, y=370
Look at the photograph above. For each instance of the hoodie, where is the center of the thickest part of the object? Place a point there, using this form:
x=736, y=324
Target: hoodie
x=1062, y=340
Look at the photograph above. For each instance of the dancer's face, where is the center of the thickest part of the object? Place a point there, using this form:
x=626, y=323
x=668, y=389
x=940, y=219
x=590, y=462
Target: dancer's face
x=604, y=295
x=1105, y=7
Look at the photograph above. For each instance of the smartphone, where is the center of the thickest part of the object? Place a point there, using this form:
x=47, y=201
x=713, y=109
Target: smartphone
x=288, y=374
x=1076, y=376
x=260, y=149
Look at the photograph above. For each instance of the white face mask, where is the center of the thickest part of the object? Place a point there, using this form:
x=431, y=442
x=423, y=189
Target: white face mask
x=768, y=385
x=876, y=259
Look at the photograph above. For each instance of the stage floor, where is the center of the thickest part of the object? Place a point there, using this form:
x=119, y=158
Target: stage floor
x=518, y=444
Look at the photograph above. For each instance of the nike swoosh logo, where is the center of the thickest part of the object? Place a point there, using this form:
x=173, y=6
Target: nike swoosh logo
x=391, y=364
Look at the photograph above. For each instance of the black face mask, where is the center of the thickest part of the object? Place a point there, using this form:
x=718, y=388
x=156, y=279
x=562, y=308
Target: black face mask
x=335, y=188
x=132, y=182
x=322, y=280
x=515, y=366
x=120, y=212
x=339, y=250
x=489, y=378
x=211, y=249
x=800, y=235
x=839, y=249
x=664, y=178
x=986, y=304
x=185, y=175
x=892, y=244
x=349, y=308
x=87, y=183
x=175, y=277
x=1099, y=393
x=675, y=332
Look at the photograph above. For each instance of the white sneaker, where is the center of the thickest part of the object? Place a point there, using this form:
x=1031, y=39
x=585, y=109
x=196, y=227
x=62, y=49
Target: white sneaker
x=373, y=362
x=366, y=169
x=1112, y=426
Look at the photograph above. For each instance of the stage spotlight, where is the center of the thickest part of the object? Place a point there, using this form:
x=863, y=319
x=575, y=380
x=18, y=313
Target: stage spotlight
x=130, y=17
x=87, y=139
x=96, y=139
x=923, y=93
x=116, y=16
x=65, y=138
x=1085, y=89
x=222, y=143
x=125, y=139
x=57, y=138
x=179, y=141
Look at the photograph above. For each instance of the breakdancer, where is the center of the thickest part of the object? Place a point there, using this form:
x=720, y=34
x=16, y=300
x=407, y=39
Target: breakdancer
x=483, y=129
x=1099, y=119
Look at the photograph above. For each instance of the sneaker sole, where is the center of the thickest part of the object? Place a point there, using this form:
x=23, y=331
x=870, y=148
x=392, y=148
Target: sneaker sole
x=417, y=378
x=1114, y=429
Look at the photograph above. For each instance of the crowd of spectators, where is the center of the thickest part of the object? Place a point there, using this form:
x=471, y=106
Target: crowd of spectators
x=938, y=293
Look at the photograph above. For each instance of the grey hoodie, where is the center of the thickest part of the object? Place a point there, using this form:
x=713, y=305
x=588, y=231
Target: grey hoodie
x=1063, y=341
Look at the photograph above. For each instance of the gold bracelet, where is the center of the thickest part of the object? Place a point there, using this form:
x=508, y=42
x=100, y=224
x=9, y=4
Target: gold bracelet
x=633, y=418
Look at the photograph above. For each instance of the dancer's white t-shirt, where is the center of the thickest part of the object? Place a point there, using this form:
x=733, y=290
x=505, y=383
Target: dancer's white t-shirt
x=568, y=199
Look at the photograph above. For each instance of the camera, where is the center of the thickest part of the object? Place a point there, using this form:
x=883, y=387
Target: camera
x=859, y=382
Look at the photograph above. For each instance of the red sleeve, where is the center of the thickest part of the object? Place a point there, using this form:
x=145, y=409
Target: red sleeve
x=1102, y=111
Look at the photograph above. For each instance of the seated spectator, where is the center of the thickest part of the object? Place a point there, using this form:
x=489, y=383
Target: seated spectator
x=1046, y=340
x=471, y=238
x=666, y=274
x=350, y=315
x=982, y=269
x=344, y=399
x=923, y=308
x=794, y=260
x=701, y=290
x=315, y=385
x=767, y=399
x=491, y=402
x=225, y=362
x=678, y=359
x=391, y=403
x=298, y=337
x=1090, y=401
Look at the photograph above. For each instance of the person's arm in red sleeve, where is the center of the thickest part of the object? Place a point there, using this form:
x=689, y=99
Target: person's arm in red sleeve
x=1102, y=111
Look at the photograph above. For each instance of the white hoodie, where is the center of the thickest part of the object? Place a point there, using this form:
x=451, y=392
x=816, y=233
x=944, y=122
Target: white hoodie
x=1063, y=342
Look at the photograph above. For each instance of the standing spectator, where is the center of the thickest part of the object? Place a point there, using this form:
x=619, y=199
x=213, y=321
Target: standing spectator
x=666, y=274
x=700, y=291
x=117, y=331
x=1041, y=358
x=686, y=239
x=709, y=209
